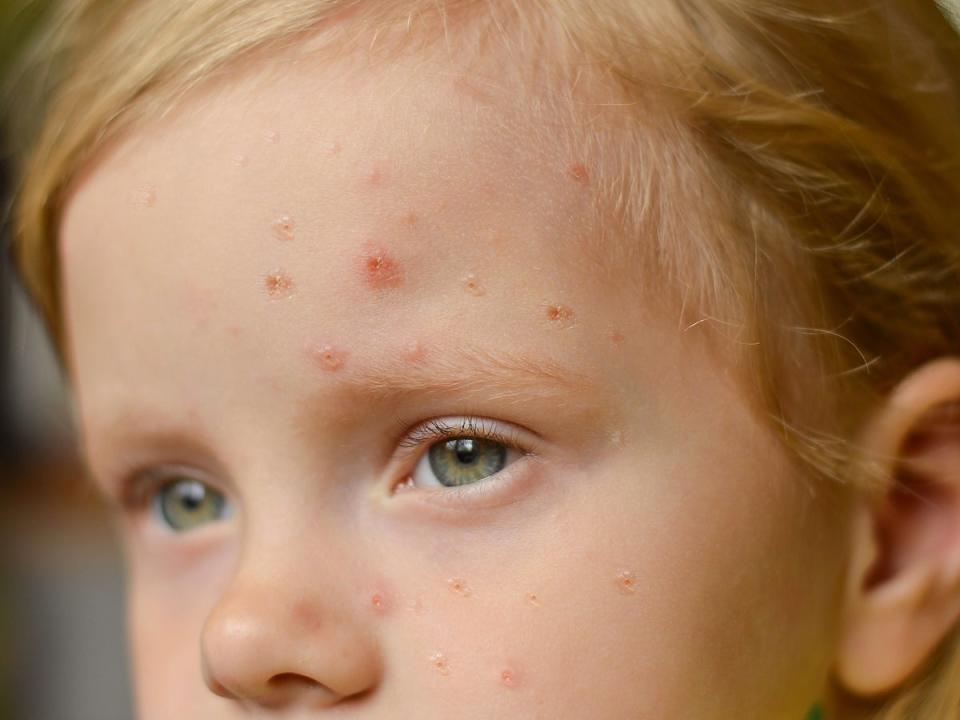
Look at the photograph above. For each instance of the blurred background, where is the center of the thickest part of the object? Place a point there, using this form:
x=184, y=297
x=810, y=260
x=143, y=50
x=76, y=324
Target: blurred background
x=62, y=644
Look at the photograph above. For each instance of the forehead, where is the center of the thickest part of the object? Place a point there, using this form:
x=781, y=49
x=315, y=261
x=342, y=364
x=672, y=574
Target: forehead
x=305, y=204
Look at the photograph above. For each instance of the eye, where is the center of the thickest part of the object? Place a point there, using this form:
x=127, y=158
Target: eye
x=469, y=452
x=184, y=504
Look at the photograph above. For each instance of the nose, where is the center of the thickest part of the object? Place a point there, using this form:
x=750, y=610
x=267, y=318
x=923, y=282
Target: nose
x=277, y=649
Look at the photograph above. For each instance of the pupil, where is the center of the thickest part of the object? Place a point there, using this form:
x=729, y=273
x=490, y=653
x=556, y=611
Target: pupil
x=466, y=451
x=191, y=495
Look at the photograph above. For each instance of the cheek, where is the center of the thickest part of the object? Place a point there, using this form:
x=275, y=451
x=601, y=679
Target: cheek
x=167, y=608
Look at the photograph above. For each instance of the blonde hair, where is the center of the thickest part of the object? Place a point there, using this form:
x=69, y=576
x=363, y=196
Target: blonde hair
x=824, y=145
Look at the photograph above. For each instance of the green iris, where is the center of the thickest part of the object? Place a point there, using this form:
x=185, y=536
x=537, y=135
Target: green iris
x=462, y=461
x=185, y=504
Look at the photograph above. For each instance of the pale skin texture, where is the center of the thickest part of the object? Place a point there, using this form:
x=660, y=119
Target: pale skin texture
x=249, y=281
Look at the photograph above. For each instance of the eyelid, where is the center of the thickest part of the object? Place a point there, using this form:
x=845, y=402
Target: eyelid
x=453, y=426
x=140, y=484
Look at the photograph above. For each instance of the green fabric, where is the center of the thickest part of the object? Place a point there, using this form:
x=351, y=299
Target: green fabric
x=815, y=713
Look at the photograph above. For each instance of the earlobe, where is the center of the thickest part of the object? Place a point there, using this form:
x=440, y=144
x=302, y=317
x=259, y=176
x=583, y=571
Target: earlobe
x=903, y=595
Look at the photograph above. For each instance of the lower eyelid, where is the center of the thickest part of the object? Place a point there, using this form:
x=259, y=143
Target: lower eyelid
x=504, y=488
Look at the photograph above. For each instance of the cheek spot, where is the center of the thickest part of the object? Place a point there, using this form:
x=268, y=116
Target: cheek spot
x=379, y=604
x=333, y=148
x=627, y=582
x=578, y=172
x=236, y=332
x=278, y=284
x=473, y=286
x=458, y=586
x=283, y=227
x=272, y=137
x=375, y=178
x=241, y=160
x=415, y=353
x=533, y=599
x=328, y=357
x=560, y=315
x=146, y=196
x=410, y=219
x=379, y=270
x=305, y=616
x=508, y=678
x=440, y=663
x=616, y=337
x=406, y=486
x=417, y=606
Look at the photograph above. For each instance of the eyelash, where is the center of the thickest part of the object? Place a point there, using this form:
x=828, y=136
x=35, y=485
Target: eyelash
x=441, y=429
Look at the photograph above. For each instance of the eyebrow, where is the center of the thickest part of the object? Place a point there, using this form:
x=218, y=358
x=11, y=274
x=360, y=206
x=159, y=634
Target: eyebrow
x=501, y=375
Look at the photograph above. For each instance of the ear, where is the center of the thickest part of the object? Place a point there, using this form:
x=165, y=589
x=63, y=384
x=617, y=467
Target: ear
x=903, y=594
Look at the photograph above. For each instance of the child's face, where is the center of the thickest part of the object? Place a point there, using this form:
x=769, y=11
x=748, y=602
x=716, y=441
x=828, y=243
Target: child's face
x=280, y=298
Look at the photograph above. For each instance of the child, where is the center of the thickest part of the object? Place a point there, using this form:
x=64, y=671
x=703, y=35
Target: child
x=459, y=359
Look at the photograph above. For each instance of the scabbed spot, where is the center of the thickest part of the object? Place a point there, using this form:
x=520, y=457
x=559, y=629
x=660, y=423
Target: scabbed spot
x=471, y=283
x=440, y=663
x=533, y=599
x=627, y=582
x=284, y=227
x=458, y=586
x=379, y=270
x=278, y=284
x=328, y=357
x=508, y=678
x=560, y=315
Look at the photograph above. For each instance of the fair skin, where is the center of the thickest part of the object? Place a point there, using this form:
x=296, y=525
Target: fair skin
x=269, y=290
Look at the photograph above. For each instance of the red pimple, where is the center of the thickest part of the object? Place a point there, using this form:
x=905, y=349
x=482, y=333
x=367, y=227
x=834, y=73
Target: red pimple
x=272, y=136
x=283, y=227
x=378, y=601
x=508, y=678
x=579, y=173
x=306, y=615
x=278, y=284
x=379, y=269
x=333, y=148
x=616, y=336
x=376, y=177
x=328, y=357
x=235, y=331
x=415, y=352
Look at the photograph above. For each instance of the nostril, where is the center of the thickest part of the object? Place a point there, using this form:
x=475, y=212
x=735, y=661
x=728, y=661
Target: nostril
x=291, y=680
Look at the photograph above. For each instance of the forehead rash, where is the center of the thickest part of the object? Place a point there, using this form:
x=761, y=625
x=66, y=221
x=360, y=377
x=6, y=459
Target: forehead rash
x=578, y=172
x=284, y=227
x=378, y=269
x=278, y=284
